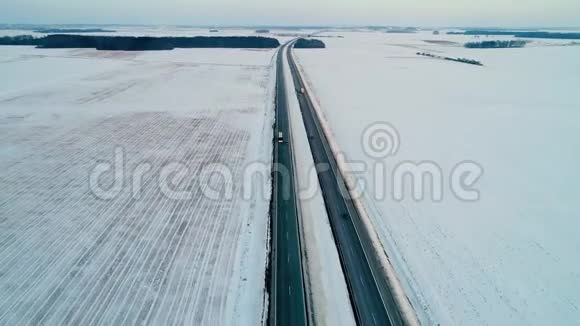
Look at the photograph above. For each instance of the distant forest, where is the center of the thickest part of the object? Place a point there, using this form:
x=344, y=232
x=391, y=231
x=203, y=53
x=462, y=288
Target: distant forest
x=496, y=44
x=547, y=35
x=19, y=40
x=309, y=44
x=128, y=43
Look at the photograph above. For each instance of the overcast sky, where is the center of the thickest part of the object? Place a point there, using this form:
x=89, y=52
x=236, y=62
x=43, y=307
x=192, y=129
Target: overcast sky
x=509, y=13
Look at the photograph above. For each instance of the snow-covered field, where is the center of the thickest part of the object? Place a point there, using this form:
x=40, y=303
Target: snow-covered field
x=511, y=258
x=159, y=31
x=139, y=31
x=144, y=256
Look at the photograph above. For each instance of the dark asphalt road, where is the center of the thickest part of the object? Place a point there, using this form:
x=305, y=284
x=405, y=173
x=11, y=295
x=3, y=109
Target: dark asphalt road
x=370, y=295
x=288, y=304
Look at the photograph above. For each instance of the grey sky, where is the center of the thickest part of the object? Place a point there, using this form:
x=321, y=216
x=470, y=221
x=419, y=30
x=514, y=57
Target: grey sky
x=297, y=12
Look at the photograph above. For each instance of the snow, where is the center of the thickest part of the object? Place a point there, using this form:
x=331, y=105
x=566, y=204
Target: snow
x=329, y=297
x=281, y=34
x=509, y=258
x=70, y=257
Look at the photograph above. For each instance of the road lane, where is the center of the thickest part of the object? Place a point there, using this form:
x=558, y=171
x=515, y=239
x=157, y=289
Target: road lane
x=371, y=299
x=288, y=303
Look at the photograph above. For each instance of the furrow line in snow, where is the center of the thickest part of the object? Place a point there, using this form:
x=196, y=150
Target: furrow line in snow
x=34, y=224
x=132, y=284
x=193, y=316
x=138, y=321
x=65, y=234
x=104, y=132
x=121, y=199
x=132, y=304
x=232, y=226
x=214, y=132
x=130, y=244
x=170, y=281
x=229, y=218
x=45, y=171
x=202, y=238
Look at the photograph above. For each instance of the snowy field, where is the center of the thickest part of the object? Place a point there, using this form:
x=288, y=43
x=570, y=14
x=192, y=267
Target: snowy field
x=155, y=31
x=68, y=256
x=159, y=31
x=510, y=258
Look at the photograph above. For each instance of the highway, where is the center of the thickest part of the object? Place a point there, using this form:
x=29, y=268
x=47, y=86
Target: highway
x=288, y=303
x=370, y=295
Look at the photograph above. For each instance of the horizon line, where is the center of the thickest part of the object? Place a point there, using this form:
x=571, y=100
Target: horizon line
x=283, y=26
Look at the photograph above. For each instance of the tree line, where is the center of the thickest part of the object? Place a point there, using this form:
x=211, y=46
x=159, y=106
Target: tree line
x=130, y=43
x=496, y=44
x=462, y=60
x=532, y=34
x=19, y=40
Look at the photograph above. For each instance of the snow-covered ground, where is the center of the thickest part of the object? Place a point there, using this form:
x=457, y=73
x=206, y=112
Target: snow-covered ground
x=68, y=256
x=158, y=31
x=510, y=257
